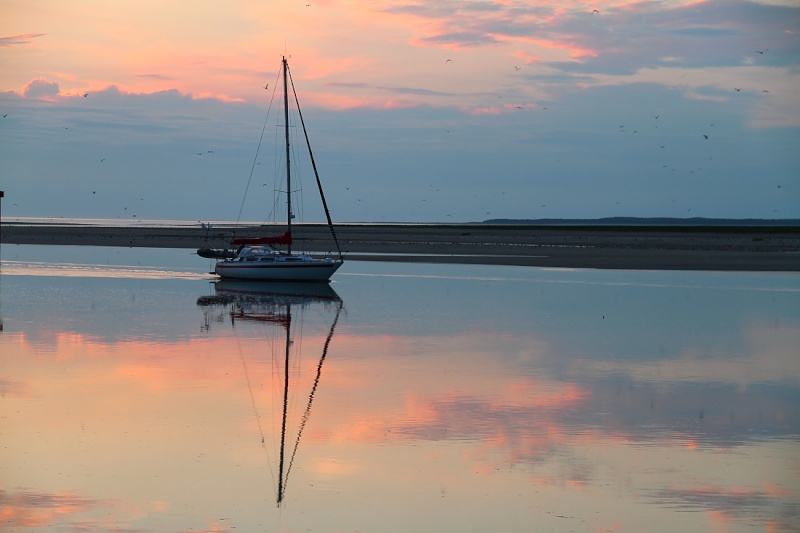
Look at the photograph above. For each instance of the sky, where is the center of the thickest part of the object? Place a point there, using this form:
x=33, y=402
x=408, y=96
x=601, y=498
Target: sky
x=417, y=110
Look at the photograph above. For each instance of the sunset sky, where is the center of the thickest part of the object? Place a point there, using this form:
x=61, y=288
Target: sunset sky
x=418, y=111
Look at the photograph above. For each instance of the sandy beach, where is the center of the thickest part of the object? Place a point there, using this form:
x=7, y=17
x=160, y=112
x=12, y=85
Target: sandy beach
x=603, y=247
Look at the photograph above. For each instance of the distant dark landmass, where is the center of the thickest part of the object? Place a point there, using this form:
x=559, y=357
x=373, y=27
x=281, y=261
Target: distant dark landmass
x=649, y=221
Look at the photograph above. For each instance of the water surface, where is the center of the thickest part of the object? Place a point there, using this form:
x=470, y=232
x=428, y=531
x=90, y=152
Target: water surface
x=138, y=395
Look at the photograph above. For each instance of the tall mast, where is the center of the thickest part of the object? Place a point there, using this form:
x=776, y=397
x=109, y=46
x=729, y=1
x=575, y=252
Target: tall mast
x=281, y=478
x=288, y=166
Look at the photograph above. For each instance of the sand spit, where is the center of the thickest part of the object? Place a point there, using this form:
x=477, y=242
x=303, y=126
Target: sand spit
x=605, y=247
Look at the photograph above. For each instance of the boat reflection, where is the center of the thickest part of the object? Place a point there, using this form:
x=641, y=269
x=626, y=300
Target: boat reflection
x=280, y=305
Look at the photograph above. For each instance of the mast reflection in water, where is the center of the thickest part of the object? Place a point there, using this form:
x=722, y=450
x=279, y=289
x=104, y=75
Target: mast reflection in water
x=280, y=306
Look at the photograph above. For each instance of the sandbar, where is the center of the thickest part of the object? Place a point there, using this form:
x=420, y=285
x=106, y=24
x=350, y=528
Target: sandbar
x=761, y=249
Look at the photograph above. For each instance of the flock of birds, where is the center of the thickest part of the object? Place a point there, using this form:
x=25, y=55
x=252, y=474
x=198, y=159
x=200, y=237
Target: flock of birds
x=123, y=208
x=689, y=170
x=705, y=136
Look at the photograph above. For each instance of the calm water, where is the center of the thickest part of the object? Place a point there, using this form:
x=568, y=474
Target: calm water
x=139, y=396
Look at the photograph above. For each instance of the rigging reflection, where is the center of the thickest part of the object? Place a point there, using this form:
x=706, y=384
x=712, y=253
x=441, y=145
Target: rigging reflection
x=281, y=306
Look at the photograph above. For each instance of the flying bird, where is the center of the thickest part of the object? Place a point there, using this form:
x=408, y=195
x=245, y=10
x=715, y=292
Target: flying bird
x=448, y=60
x=85, y=95
x=762, y=51
x=737, y=89
x=706, y=136
x=266, y=86
x=595, y=11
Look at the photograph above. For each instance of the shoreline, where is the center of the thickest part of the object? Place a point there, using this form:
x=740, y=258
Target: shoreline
x=751, y=248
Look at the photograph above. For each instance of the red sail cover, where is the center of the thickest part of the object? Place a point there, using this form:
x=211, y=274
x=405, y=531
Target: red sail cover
x=286, y=238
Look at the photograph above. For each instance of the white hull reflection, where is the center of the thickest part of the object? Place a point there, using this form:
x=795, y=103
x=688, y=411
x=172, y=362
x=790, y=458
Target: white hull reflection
x=279, y=307
x=267, y=291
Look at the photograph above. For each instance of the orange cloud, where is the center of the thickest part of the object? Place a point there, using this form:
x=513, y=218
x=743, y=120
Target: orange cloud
x=720, y=520
x=486, y=111
x=30, y=509
x=574, y=50
x=493, y=420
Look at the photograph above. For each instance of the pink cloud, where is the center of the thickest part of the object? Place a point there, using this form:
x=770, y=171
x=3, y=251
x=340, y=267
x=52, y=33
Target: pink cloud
x=23, y=38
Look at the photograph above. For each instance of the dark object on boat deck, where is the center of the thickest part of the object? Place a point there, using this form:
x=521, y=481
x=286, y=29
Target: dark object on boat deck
x=216, y=253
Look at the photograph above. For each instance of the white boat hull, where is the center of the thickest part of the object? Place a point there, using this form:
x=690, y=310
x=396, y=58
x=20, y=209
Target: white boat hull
x=317, y=270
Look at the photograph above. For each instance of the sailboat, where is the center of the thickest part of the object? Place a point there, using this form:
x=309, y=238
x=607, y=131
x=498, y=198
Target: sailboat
x=258, y=258
x=281, y=307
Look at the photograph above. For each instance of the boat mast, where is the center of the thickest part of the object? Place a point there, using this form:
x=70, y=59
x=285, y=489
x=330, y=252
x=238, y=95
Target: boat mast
x=281, y=478
x=288, y=166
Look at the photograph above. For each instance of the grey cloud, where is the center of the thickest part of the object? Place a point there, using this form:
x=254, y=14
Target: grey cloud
x=40, y=87
x=397, y=90
x=465, y=39
x=156, y=77
x=412, y=90
x=714, y=33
